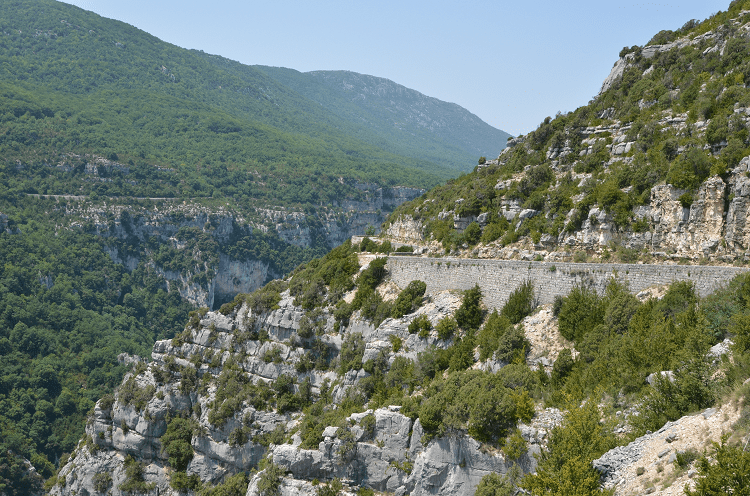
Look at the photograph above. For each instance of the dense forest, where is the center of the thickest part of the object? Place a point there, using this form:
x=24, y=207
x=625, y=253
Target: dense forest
x=66, y=312
x=179, y=122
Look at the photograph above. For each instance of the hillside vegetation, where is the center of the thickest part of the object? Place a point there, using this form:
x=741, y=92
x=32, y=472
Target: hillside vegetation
x=613, y=176
x=323, y=377
x=74, y=83
x=165, y=162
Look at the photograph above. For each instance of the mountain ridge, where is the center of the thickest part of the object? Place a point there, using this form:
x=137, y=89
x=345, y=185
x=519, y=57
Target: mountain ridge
x=425, y=118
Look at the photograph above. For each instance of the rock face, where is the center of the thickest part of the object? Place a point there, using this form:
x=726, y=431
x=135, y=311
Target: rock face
x=223, y=263
x=406, y=230
x=190, y=378
x=643, y=463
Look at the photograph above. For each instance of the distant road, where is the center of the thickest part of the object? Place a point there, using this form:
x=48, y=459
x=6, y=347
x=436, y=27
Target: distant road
x=83, y=197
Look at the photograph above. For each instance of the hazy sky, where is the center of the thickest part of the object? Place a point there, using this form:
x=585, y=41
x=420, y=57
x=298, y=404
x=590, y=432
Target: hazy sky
x=510, y=63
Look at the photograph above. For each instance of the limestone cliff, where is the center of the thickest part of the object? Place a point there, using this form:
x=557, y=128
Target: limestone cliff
x=211, y=253
x=189, y=378
x=654, y=168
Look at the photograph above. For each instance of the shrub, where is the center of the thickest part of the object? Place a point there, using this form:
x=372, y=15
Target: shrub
x=102, y=482
x=235, y=485
x=410, y=299
x=573, y=445
x=669, y=400
x=181, y=481
x=520, y=302
x=134, y=481
x=728, y=474
x=489, y=336
x=469, y=314
x=419, y=324
x=563, y=366
x=494, y=230
x=396, y=342
x=683, y=459
x=515, y=446
x=580, y=312
x=446, y=327
x=368, y=425
x=472, y=234
x=333, y=488
x=512, y=345
x=176, y=442
x=270, y=480
x=352, y=351
x=494, y=484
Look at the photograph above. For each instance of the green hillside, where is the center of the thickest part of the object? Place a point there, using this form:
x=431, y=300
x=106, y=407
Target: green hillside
x=672, y=113
x=73, y=82
x=99, y=109
x=405, y=121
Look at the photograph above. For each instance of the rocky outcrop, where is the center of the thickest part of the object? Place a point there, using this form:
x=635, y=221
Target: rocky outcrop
x=136, y=234
x=382, y=448
x=643, y=463
x=406, y=230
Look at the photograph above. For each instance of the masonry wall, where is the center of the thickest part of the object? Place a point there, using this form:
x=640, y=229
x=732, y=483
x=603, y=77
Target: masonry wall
x=498, y=278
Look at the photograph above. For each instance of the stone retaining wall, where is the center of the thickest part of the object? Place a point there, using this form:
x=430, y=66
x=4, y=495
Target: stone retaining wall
x=498, y=278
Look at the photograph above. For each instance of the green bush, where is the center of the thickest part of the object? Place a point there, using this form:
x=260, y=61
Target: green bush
x=176, y=442
x=520, y=302
x=368, y=425
x=396, y=343
x=333, y=488
x=580, y=312
x=494, y=230
x=236, y=485
x=489, y=336
x=469, y=315
x=565, y=466
x=668, y=400
x=515, y=446
x=352, y=351
x=562, y=367
x=410, y=299
x=512, y=345
x=419, y=325
x=494, y=484
x=134, y=482
x=446, y=327
x=472, y=234
x=182, y=482
x=102, y=482
x=270, y=480
x=727, y=471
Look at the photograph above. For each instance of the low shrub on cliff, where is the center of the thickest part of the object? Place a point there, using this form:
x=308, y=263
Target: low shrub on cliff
x=176, y=442
x=235, y=485
x=725, y=472
x=565, y=465
x=134, y=481
x=473, y=400
x=410, y=299
x=520, y=302
x=469, y=315
x=326, y=279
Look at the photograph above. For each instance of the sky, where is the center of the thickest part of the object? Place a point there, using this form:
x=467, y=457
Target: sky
x=510, y=63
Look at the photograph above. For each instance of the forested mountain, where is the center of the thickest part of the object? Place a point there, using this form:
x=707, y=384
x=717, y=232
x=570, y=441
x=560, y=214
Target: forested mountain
x=407, y=122
x=141, y=180
x=74, y=82
x=347, y=375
